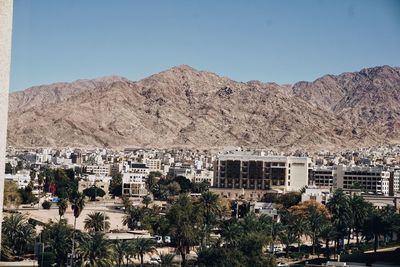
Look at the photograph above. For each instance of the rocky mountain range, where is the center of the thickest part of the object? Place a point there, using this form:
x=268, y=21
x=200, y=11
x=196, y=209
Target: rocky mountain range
x=184, y=107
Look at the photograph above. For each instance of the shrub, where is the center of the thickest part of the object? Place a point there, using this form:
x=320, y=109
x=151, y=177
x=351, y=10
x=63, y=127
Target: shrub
x=46, y=205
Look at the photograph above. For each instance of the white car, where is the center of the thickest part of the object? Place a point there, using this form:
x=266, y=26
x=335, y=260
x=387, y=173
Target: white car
x=155, y=260
x=282, y=264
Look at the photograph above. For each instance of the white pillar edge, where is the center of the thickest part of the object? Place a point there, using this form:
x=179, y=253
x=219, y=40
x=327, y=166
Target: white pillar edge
x=6, y=10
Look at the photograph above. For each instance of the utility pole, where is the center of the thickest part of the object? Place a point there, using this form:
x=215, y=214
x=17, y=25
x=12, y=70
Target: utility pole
x=6, y=11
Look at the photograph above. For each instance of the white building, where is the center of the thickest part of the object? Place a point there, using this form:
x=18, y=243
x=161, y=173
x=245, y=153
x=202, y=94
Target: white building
x=102, y=170
x=21, y=178
x=204, y=176
x=254, y=170
x=314, y=193
x=133, y=184
x=154, y=165
x=133, y=179
x=369, y=179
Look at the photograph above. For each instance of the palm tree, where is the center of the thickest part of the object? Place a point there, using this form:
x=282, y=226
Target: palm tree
x=142, y=247
x=231, y=231
x=133, y=217
x=95, y=251
x=58, y=238
x=126, y=202
x=272, y=229
x=17, y=233
x=120, y=251
x=78, y=203
x=97, y=222
x=185, y=219
x=339, y=207
x=328, y=233
x=315, y=215
x=40, y=182
x=293, y=228
x=210, y=204
x=374, y=226
x=359, y=211
x=167, y=260
x=62, y=207
x=146, y=201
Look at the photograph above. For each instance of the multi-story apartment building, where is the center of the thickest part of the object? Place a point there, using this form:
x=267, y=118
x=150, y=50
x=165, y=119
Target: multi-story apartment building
x=102, y=170
x=133, y=179
x=181, y=169
x=115, y=168
x=133, y=184
x=322, y=176
x=154, y=165
x=204, y=176
x=394, y=182
x=248, y=170
x=368, y=179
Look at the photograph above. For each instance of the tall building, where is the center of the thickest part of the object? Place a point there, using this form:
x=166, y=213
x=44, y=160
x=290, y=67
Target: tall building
x=236, y=170
x=368, y=179
x=394, y=182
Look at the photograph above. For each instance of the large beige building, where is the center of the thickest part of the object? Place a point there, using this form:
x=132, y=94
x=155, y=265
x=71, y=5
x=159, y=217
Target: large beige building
x=249, y=170
x=368, y=179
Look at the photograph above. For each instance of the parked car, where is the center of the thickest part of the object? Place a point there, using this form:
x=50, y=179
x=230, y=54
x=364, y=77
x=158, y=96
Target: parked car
x=155, y=260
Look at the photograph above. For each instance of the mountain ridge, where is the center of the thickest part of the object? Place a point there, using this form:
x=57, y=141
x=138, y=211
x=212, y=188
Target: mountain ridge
x=184, y=107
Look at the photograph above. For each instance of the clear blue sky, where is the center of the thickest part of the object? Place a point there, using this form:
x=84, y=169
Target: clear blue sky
x=280, y=41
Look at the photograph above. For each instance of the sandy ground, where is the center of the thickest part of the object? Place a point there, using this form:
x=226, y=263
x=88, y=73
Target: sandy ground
x=43, y=215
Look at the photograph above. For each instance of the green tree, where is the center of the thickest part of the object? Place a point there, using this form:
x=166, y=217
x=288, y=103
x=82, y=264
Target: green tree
x=26, y=195
x=95, y=251
x=126, y=202
x=289, y=199
x=143, y=246
x=120, y=248
x=32, y=174
x=184, y=183
x=388, y=214
x=133, y=217
x=146, y=201
x=174, y=188
x=231, y=231
x=94, y=192
x=58, y=239
x=339, y=208
x=40, y=181
x=152, y=180
x=220, y=256
x=62, y=207
x=78, y=204
x=116, y=185
x=374, y=226
x=12, y=198
x=46, y=205
x=272, y=228
x=9, y=168
x=315, y=216
x=17, y=233
x=97, y=222
x=328, y=233
x=200, y=187
x=359, y=210
x=185, y=219
x=293, y=228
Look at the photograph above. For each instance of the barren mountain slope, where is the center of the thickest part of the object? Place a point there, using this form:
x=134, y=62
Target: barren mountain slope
x=183, y=107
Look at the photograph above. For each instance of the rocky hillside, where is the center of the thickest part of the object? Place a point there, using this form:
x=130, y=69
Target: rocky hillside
x=184, y=107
